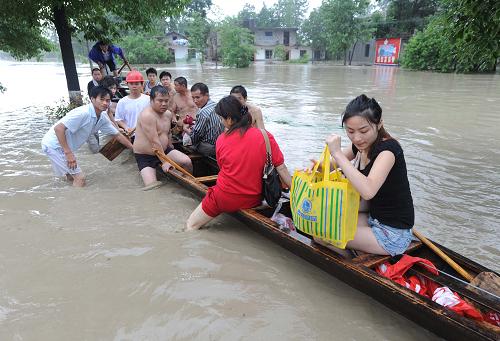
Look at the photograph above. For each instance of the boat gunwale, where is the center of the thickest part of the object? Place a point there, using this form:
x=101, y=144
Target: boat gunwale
x=406, y=302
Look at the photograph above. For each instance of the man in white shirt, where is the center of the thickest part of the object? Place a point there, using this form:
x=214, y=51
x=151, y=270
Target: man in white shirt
x=69, y=133
x=129, y=107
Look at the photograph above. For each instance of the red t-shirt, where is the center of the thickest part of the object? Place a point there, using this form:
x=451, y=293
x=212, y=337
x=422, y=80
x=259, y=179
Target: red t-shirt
x=241, y=161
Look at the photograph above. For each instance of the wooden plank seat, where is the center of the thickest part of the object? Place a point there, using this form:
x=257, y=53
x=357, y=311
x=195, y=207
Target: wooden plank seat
x=370, y=260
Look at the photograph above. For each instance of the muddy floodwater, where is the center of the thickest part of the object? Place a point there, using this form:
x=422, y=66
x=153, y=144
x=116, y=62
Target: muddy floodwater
x=110, y=262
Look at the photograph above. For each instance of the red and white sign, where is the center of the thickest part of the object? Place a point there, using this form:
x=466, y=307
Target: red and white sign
x=387, y=51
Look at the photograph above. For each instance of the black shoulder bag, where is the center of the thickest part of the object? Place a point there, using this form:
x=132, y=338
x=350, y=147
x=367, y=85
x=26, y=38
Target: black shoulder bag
x=271, y=183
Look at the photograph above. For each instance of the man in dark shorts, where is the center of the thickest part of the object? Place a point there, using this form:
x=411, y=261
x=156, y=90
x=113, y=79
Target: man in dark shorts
x=103, y=53
x=152, y=132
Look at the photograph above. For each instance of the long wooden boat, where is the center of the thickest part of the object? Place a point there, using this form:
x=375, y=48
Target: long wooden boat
x=359, y=272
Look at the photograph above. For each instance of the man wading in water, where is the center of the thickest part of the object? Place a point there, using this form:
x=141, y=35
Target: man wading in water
x=153, y=128
x=69, y=133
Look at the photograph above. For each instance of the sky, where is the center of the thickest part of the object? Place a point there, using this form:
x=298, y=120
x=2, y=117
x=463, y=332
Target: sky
x=222, y=8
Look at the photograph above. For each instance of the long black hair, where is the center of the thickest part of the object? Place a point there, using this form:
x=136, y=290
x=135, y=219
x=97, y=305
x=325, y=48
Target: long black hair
x=372, y=112
x=230, y=107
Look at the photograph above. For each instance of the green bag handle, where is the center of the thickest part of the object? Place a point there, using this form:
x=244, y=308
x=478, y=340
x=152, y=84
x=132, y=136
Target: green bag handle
x=325, y=158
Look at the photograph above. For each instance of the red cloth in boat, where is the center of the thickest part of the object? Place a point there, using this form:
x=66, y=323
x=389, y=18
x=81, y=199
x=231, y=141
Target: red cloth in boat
x=424, y=286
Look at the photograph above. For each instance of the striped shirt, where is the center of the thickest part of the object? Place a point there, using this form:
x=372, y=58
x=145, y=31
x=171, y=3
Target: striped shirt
x=208, y=125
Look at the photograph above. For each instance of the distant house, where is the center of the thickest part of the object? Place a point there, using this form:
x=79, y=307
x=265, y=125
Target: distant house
x=178, y=44
x=267, y=39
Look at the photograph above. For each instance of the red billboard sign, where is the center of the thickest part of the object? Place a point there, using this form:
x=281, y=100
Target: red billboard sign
x=387, y=51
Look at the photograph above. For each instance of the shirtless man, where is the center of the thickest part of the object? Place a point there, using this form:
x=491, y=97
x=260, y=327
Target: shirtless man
x=152, y=132
x=182, y=103
x=166, y=81
x=240, y=93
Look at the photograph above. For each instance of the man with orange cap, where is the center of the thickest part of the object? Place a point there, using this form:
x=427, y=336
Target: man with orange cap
x=129, y=107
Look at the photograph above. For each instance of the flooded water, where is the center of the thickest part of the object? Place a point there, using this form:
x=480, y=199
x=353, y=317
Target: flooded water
x=108, y=262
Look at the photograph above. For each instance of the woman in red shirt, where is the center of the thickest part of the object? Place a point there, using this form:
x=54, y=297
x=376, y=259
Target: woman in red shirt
x=241, y=155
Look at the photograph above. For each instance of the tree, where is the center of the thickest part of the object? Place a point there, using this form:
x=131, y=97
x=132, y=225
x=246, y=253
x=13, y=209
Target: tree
x=197, y=30
x=267, y=17
x=145, y=50
x=464, y=38
x=290, y=13
x=313, y=30
x=246, y=13
x=236, y=44
x=474, y=28
x=344, y=23
x=279, y=53
x=429, y=49
x=96, y=19
x=406, y=16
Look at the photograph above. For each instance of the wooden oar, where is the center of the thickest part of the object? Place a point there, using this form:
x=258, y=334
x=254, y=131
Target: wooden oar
x=124, y=64
x=443, y=256
x=164, y=158
x=485, y=281
x=120, y=69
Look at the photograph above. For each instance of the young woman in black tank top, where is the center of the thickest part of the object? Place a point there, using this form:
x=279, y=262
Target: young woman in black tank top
x=386, y=212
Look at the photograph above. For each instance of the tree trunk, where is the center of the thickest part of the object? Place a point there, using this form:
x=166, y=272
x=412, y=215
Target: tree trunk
x=351, y=53
x=345, y=57
x=68, y=57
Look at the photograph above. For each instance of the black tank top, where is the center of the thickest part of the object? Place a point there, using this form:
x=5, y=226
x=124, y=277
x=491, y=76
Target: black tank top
x=393, y=204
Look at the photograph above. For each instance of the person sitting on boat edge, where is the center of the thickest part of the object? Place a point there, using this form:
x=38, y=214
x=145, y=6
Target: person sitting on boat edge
x=130, y=106
x=241, y=156
x=381, y=179
x=153, y=131
x=152, y=81
x=96, y=78
x=208, y=125
x=240, y=93
x=68, y=134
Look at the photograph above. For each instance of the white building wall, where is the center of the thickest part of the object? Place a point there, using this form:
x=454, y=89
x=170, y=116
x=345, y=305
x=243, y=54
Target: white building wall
x=295, y=52
x=260, y=53
x=181, y=53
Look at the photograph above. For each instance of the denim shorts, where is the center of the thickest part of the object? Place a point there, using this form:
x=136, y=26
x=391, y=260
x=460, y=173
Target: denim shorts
x=393, y=240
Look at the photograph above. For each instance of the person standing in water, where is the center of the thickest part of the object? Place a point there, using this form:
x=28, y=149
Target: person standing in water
x=153, y=132
x=68, y=134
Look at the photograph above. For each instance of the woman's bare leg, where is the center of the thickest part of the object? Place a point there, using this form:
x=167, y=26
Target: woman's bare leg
x=364, y=239
x=197, y=219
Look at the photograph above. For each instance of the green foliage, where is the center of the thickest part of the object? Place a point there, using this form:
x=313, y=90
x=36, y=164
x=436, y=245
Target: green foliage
x=141, y=49
x=464, y=38
x=302, y=60
x=247, y=12
x=405, y=16
x=313, y=30
x=338, y=24
x=61, y=108
x=429, y=50
x=267, y=17
x=198, y=7
x=22, y=23
x=20, y=36
x=290, y=13
x=236, y=45
x=474, y=28
x=279, y=53
x=197, y=30
x=284, y=13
